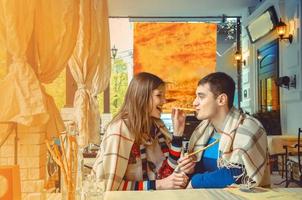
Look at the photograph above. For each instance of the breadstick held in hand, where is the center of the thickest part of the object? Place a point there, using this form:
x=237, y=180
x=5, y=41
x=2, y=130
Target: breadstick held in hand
x=187, y=109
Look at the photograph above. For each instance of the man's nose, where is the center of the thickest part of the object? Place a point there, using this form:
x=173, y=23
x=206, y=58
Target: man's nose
x=195, y=102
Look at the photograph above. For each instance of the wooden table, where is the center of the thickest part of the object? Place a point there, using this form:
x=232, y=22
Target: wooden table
x=204, y=194
x=276, y=150
x=199, y=194
x=276, y=143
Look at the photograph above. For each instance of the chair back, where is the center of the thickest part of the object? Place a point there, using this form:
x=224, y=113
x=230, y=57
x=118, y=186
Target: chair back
x=291, y=162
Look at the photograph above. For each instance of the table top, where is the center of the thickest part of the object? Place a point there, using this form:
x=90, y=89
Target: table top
x=276, y=143
x=172, y=195
x=199, y=194
x=287, y=137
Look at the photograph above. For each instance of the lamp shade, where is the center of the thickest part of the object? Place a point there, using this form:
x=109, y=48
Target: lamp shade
x=114, y=52
x=281, y=28
x=237, y=56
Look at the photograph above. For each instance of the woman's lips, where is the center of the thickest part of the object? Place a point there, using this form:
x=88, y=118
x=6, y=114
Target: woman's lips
x=159, y=109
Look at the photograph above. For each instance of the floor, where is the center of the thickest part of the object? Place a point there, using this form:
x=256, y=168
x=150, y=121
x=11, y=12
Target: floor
x=276, y=178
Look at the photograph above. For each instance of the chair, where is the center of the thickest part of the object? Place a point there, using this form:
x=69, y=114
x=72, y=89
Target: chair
x=293, y=156
x=10, y=182
x=191, y=123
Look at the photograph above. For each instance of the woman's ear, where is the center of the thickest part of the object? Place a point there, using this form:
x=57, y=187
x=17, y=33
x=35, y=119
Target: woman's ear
x=222, y=99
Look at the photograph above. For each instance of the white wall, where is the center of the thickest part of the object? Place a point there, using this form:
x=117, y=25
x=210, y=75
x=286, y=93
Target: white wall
x=290, y=64
x=226, y=62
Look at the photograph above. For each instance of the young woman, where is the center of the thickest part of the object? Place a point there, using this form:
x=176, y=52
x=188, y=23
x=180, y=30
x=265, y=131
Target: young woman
x=137, y=151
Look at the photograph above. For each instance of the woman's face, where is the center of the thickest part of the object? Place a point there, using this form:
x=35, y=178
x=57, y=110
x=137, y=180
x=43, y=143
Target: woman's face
x=157, y=101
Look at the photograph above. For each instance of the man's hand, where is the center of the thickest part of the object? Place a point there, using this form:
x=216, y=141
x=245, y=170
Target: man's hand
x=187, y=164
x=178, y=119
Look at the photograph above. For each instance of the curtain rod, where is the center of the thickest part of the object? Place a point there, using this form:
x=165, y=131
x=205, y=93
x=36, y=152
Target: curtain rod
x=175, y=17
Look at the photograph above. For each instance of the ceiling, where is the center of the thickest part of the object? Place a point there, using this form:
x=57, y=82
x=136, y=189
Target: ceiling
x=179, y=7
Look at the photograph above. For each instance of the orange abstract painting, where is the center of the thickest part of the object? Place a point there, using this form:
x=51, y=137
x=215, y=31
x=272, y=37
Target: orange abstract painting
x=179, y=53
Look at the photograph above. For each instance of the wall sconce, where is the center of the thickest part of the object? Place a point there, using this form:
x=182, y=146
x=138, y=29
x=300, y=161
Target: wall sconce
x=286, y=82
x=114, y=52
x=238, y=58
x=281, y=29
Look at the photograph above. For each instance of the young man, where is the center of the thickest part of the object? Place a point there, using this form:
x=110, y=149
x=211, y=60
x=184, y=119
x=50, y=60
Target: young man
x=240, y=154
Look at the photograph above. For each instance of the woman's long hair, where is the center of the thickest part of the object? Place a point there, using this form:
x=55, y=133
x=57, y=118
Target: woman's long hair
x=135, y=110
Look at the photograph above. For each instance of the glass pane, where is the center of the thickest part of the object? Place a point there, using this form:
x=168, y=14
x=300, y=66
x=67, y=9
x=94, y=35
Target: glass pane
x=101, y=102
x=121, y=38
x=118, y=85
x=263, y=95
x=269, y=97
x=275, y=96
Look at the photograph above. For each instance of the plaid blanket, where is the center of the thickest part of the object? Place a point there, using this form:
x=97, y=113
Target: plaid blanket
x=112, y=159
x=243, y=144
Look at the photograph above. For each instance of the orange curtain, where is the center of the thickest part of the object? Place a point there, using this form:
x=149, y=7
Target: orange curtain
x=55, y=34
x=90, y=67
x=38, y=38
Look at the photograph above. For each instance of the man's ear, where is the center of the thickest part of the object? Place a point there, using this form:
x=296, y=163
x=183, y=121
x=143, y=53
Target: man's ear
x=222, y=99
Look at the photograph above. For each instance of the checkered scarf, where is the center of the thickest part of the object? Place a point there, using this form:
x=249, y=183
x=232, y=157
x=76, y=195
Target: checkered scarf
x=112, y=159
x=243, y=143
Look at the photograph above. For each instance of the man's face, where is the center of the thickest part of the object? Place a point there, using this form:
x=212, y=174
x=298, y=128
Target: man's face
x=205, y=103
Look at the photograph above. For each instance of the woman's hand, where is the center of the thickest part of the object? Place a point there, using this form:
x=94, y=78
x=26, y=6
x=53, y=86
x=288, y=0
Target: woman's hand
x=174, y=181
x=187, y=164
x=178, y=119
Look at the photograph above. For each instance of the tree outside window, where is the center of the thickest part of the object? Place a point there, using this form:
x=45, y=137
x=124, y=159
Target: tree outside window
x=118, y=84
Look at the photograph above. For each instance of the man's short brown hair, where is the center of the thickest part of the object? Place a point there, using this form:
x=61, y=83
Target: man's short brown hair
x=219, y=83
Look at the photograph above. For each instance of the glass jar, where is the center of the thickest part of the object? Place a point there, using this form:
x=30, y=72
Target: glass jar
x=93, y=188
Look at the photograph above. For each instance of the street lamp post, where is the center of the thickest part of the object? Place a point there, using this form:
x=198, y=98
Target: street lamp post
x=107, y=91
x=239, y=62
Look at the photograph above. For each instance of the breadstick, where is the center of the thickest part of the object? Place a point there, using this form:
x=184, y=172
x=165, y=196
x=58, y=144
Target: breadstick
x=75, y=156
x=70, y=159
x=187, y=109
x=64, y=159
x=57, y=158
x=204, y=148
